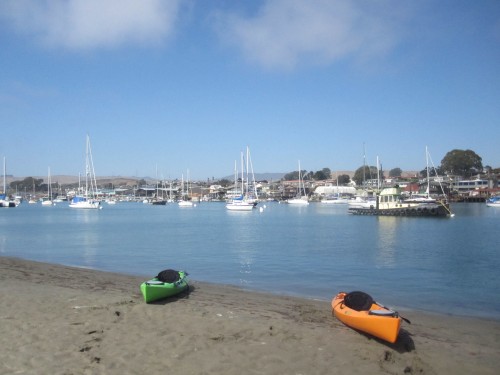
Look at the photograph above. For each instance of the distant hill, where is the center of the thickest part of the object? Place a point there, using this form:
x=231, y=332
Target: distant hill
x=66, y=180
x=131, y=181
x=260, y=177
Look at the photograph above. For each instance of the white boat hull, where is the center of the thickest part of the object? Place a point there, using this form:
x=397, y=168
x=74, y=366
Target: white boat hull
x=335, y=201
x=89, y=205
x=298, y=201
x=240, y=206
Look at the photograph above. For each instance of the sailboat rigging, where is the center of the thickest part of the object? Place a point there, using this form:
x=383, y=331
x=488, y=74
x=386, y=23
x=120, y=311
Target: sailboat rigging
x=48, y=201
x=88, y=199
x=248, y=197
x=184, y=201
x=301, y=198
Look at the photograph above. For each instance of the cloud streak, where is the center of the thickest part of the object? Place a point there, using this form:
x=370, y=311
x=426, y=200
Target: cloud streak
x=285, y=33
x=89, y=24
x=279, y=34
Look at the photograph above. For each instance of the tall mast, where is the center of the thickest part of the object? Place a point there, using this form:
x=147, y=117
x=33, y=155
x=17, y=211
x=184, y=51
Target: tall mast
x=427, y=168
x=87, y=167
x=364, y=164
x=301, y=184
x=253, y=175
x=242, y=176
x=4, y=173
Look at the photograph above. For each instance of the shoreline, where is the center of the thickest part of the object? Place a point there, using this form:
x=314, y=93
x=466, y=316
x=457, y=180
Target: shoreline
x=60, y=319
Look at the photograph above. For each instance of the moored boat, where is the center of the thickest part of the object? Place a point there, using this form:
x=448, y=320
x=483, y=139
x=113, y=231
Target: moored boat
x=363, y=202
x=185, y=199
x=390, y=203
x=335, y=199
x=89, y=198
x=185, y=204
x=85, y=203
x=168, y=283
x=4, y=199
x=493, y=201
x=358, y=310
x=301, y=199
x=239, y=204
x=247, y=198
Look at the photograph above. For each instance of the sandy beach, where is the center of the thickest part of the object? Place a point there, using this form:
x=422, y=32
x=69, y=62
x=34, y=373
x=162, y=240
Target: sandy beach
x=62, y=320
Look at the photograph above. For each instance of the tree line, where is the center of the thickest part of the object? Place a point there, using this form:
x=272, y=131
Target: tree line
x=465, y=163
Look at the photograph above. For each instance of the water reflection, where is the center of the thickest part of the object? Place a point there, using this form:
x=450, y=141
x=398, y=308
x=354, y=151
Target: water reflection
x=387, y=239
x=241, y=241
x=310, y=251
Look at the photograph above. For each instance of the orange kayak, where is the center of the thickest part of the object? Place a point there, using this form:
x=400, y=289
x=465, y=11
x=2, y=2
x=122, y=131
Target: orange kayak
x=378, y=321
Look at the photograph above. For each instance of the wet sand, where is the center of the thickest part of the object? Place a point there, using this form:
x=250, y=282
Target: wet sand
x=63, y=320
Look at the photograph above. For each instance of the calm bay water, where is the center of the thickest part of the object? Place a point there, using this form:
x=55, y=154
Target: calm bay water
x=442, y=265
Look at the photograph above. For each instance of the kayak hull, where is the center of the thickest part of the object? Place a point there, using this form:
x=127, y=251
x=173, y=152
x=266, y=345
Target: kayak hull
x=154, y=290
x=373, y=322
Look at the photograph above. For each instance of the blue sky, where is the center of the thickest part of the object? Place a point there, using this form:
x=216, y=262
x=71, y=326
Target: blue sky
x=179, y=85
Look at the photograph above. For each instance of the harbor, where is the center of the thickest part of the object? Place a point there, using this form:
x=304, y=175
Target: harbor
x=418, y=263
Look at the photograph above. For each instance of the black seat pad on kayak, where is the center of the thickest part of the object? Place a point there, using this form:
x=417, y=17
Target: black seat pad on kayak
x=168, y=276
x=359, y=301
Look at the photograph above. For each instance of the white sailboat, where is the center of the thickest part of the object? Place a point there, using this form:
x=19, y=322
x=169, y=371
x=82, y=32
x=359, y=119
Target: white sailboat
x=366, y=199
x=4, y=200
x=251, y=195
x=48, y=201
x=184, y=202
x=87, y=200
x=336, y=198
x=242, y=202
x=301, y=198
x=157, y=200
x=425, y=197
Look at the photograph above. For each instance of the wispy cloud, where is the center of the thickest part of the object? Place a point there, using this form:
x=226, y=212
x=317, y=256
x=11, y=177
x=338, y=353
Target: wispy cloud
x=88, y=24
x=285, y=33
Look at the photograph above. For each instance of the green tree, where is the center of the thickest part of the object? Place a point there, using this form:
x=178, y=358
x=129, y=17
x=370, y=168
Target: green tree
x=464, y=163
x=395, y=172
x=324, y=174
x=295, y=175
x=343, y=179
x=327, y=172
x=28, y=184
x=364, y=173
x=291, y=176
x=433, y=172
x=225, y=182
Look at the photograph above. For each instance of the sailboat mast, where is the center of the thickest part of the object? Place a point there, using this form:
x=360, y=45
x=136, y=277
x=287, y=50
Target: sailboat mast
x=254, y=185
x=242, y=176
x=93, y=180
x=235, y=178
x=156, y=180
x=182, y=186
x=48, y=185
x=364, y=164
x=302, y=189
x=247, y=173
x=427, y=167
x=4, y=181
x=378, y=174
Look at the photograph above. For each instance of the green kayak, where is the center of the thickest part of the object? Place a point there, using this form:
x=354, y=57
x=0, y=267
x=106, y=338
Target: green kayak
x=156, y=289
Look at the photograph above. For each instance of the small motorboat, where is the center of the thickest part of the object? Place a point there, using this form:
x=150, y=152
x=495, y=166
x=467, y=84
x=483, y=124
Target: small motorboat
x=168, y=283
x=493, y=201
x=359, y=311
